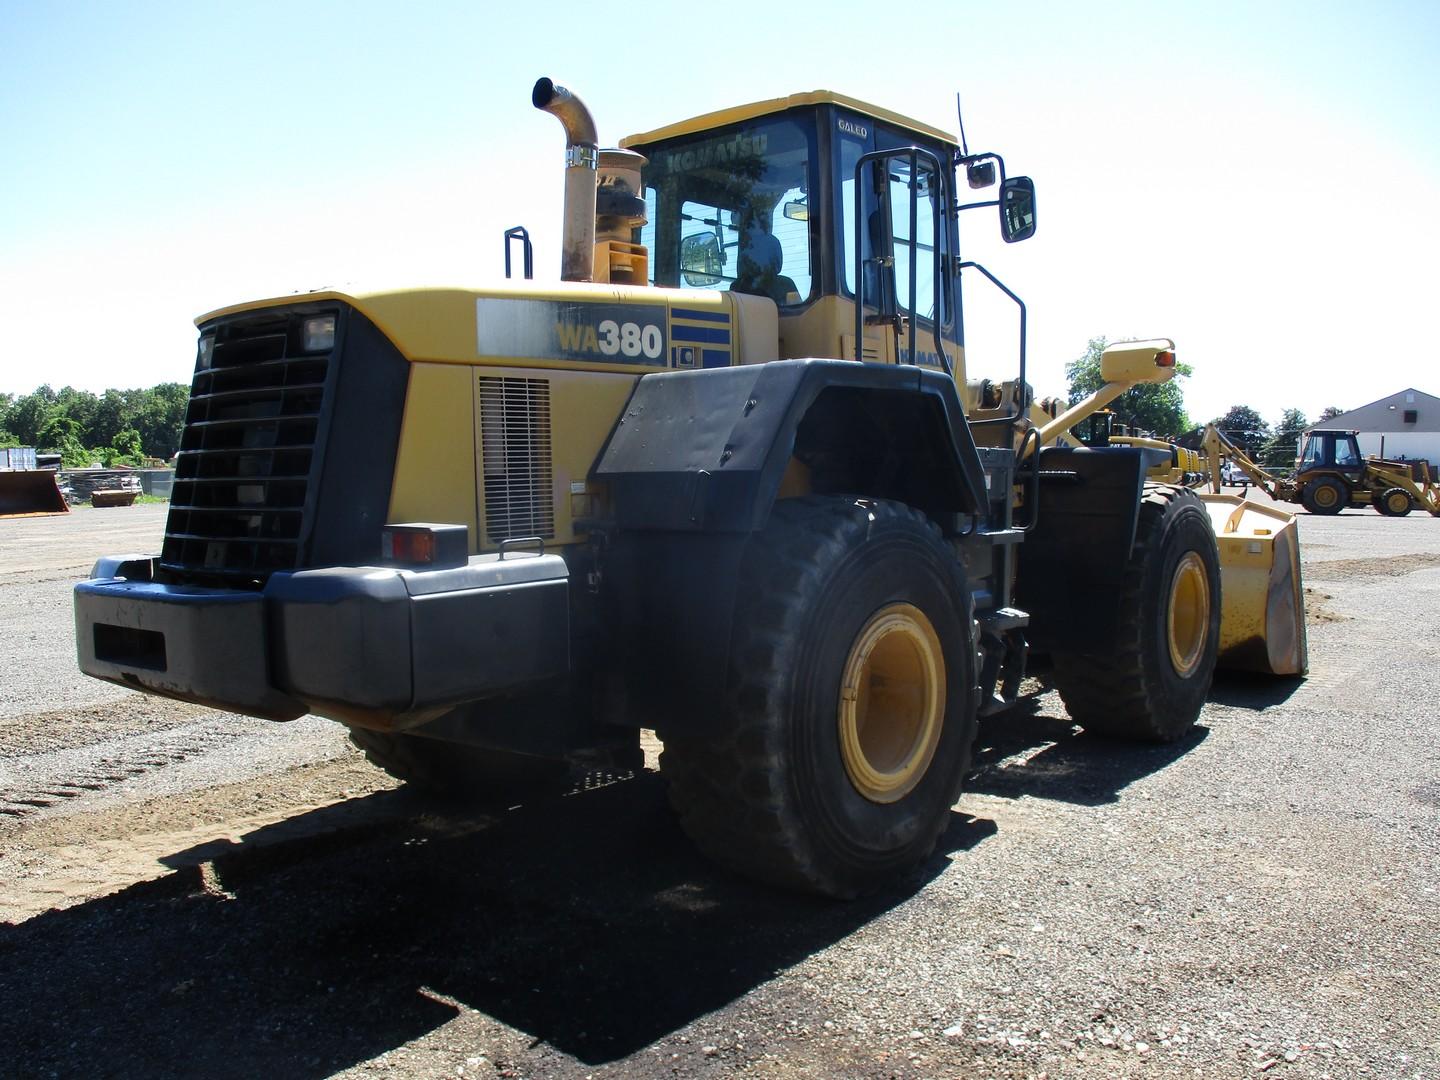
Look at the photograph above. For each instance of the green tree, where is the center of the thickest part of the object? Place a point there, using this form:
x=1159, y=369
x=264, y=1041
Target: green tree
x=1244, y=427
x=1279, y=451
x=61, y=435
x=124, y=450
x=1158, y=408
x=162, y=418
x=1329, y=413
x=29, y=413
x=7, y=438
x=80, y=406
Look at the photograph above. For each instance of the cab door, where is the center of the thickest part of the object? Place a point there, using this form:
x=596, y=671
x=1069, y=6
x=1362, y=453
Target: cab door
x=896, y=206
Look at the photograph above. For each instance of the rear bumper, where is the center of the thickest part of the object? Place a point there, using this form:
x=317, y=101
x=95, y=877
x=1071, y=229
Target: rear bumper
x=372, y=646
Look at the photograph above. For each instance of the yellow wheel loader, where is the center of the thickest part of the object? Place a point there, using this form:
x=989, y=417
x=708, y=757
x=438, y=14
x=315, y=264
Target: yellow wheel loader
x=726, y=479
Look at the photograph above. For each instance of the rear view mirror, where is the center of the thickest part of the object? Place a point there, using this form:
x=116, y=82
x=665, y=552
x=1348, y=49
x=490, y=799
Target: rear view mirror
x=1017, y=209
x=797, y=210
x=980, y=174
x=701, y=260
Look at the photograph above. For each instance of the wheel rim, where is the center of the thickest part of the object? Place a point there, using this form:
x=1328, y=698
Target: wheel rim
x=1189, y=614
x=1326, y=496
x=892, y=703
x=1399, y=502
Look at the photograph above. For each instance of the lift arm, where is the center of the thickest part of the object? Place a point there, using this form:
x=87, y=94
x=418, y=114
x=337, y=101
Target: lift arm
x=1217, y=446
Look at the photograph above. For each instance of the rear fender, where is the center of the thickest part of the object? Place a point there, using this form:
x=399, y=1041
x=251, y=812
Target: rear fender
x=694, y=466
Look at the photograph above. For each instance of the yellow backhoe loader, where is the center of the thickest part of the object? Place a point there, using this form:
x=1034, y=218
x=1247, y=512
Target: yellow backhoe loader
x=1331, y=474
x=726, y=479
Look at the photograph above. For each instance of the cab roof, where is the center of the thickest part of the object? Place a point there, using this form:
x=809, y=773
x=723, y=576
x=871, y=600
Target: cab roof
x=738, y=113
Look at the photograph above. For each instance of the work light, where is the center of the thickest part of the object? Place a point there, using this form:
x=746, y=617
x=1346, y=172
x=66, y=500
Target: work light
x=318, y=334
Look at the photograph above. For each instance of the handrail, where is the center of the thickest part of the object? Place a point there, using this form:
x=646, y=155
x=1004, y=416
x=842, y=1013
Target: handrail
x=1020, y=405
x=519, y=232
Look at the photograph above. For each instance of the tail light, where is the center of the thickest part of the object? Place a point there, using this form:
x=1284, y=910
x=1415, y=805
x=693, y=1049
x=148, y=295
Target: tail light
x=422, y=544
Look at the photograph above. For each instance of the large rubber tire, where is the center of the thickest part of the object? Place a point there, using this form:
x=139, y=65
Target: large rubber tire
x=1327, y=495
x=1151, y=687
x=457, y=772
x=1394, y=502
x=800, y=791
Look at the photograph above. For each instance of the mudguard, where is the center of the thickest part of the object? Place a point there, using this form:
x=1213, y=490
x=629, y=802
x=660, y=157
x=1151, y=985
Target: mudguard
x=705, y=451
x=1072, y=562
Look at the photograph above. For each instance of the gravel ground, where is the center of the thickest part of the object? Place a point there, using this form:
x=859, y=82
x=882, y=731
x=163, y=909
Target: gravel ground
x=195, y=893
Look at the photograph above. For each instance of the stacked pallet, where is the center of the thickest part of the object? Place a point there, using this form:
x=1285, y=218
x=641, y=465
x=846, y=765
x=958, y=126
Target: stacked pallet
x=80, y=484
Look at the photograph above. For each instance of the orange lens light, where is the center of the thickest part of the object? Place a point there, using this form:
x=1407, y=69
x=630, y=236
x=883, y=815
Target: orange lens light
x=1165, y=359
x=425, y=544
x=407, y=546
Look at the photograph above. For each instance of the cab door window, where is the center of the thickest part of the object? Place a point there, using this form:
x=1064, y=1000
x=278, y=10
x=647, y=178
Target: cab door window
x=890, y=225
x=922, y=272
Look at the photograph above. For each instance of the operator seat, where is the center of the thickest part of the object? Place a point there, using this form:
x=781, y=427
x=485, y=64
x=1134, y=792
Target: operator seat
x=758, y=267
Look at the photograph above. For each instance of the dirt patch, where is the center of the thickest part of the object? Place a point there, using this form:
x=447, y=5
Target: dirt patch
x=1318, y=610
x=1389, y=566
x=62, y=861
x=62, y=729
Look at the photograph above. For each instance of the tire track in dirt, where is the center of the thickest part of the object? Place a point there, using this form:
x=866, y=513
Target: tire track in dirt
x=214, y=749
x=40, y=781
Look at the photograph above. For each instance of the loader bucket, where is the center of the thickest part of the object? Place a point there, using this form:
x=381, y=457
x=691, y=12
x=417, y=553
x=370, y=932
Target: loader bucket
x=32, y=491
x=1262, y=604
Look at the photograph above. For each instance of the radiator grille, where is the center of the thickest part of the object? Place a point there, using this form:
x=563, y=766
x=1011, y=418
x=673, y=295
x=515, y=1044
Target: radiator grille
x=244, y=473
x=515, y=454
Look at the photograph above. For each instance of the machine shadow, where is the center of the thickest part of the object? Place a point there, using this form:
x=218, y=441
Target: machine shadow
x=588, y=923
x=1026, y=752
x=1247, y=690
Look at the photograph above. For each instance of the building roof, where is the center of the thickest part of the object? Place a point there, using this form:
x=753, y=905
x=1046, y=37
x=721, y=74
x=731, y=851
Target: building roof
x=1388, y=414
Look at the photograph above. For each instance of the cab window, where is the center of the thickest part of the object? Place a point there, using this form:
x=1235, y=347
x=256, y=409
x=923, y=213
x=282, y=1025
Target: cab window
x=730, y=210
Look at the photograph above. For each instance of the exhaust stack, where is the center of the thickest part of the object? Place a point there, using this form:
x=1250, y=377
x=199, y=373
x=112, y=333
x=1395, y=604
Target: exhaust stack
x=582, y=158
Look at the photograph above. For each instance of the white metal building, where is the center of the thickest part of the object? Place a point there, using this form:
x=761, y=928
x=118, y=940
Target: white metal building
x=1404, y=425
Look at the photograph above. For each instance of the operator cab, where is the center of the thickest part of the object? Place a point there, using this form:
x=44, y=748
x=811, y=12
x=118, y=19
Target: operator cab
x=1332, y=451
x=763, y=199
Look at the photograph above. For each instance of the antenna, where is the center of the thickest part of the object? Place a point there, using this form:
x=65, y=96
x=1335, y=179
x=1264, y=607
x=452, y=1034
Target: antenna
x=964, y=149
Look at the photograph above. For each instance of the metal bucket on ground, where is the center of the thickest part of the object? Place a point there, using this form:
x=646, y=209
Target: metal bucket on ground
x=1262, y=601
x=30, y=491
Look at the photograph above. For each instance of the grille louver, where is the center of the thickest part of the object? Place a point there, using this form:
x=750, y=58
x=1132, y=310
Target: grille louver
x=243, y=476
x=515, y=454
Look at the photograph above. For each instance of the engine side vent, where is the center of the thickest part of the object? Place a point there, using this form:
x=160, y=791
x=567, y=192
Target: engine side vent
x=515, y=456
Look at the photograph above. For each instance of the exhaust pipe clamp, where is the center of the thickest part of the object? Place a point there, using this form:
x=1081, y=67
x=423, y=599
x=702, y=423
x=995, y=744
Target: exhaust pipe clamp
x=582, y=157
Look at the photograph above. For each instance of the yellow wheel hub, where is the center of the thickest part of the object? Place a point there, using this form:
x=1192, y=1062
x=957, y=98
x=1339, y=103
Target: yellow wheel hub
x=892, y=703
x=1326, y=496
x=1398, y=502
x=1188, y=615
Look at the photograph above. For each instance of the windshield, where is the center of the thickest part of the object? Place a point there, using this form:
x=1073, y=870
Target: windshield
x=729, y=209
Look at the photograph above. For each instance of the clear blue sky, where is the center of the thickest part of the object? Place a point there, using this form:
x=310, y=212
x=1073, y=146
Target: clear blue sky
x=1259, y=181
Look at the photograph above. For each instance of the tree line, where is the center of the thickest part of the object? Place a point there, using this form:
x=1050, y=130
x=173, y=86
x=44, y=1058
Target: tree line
x=1159, y=409
x=127, y=427
x=118, y=427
